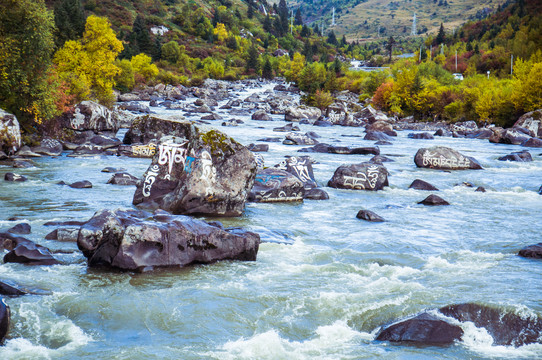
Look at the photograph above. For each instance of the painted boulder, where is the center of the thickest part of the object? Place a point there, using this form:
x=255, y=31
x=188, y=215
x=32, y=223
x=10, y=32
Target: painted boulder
x=311, y=114
x=10, y=133
x=444, y=158
x=275, y=185
x=531, y=121
x=89, y=115
x=199, y=173
x=301, y=168
x=136, y=240
x=364, y=176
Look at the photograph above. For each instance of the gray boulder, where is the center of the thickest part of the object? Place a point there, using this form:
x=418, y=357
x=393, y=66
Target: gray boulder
x=364, y=176
x=370, y=216
x=296, y=114
x=138, y=150
x=532, y=251
x=519, y=156
x=532, y=121
x=301, y=168
x=14, y=177
x=444, y=158
x=89, y=115
x=434, y=200
x=422, y=185
x=135, y=240
x=10, y=133
x=261, y=115
x=275, y=185
x=123, y=178
x=423, y=329
x=197, y=172
x=5, y=317
x=49, y=147
x=300, y=139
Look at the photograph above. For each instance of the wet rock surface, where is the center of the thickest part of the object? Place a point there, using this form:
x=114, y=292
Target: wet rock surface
x=136, y=240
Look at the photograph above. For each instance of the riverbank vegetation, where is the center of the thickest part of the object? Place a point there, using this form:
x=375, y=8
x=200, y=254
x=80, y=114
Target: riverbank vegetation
x=55, y=54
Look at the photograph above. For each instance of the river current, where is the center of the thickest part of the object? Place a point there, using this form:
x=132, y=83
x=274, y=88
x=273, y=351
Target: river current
x=324, y=281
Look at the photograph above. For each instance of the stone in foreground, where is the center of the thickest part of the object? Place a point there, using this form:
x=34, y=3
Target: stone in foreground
x=4, y=320
x=423, y=329
x=444, y=158
x=364, y=176
x=434, y=200
x=136, y=240
x=195, y=171
x=370, y=216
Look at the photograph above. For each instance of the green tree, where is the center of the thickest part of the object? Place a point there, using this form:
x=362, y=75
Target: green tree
x=332, y=38
x=298, y=18
x=26, y=48
x=441, y=36
x=69, y=20
x=171, y=51
x=389, y=46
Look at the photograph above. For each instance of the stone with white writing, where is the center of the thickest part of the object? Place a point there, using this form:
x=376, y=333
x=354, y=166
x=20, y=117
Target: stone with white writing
x=275, y=185
x=138, y=150
x=123, y=178
x=10, y=133
x=88, y=115
x=301, y=168
x=364, y=176
x=444, y=158
x=532, y=121
x=49, y=147
x=130, y=239
x=196, y=171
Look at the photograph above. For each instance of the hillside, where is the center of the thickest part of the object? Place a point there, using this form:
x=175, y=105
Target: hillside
x=363, y=19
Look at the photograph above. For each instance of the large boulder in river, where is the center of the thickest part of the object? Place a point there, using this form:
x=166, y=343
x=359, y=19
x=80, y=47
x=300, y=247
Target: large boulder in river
x=444, y=158
x=514, y=136
x=197, y=172
x=135, y=240
x=505, y=327
x=531, y=121
x=364, y=176
x=275, y=185
x=49, y=147
x=10, y=133
x=311, y=114
x=89, y=115
x=423, y=329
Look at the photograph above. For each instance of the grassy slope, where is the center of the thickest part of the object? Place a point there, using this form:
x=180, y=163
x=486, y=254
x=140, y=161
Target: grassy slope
x=378, y=13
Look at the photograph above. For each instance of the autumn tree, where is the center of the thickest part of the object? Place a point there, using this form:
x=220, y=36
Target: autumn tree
x=89, y=65
x=26, y=48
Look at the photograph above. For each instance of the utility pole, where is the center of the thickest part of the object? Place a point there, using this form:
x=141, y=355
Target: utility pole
x=512, y=65
x=333, y=18
x=431, y=53
x=456, y=61
x=413, y=31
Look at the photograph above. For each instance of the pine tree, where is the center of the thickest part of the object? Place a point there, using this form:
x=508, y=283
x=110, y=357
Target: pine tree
x=389, y=46
x=250, y=11
x=305, y=31
x=140, y=38
x=252, y=59
x=267, y=24
x=298, y=19
x=441, y=36
x=267, y=70
x=69, y=21
x=332, y=39
x=283, y=14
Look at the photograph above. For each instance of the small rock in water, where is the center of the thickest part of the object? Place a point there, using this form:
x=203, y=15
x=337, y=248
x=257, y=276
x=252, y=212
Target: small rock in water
x=316, y=194
x=22, y=164
x=379, y=159
x=369, y=216
x=11, y=290
x=258, y=147
x=480, y=189
x=14, y=177
x=123, y=178
x=85, y=184
x=422, y=185
x=22, y=229
x=4, y=320
x=532, y=251
x=30, y=254
x=434, y=200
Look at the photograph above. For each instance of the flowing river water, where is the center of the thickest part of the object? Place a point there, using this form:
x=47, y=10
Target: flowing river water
x=324, y=281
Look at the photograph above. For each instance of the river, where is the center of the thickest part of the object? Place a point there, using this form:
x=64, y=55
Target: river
x=324, y=281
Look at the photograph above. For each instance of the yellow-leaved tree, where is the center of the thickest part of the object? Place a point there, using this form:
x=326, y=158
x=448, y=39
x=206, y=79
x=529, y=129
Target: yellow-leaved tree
x=143, y=67
x=220, y=32
x=88, y=65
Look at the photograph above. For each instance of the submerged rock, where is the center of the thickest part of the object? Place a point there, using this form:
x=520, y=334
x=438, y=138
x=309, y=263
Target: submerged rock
x=134, y=240
x=443, y=158
x=423, y=329
x=434, y=200
x=532, y=251
x=519, y=156
x=84, y=184
x=197, y=172
x=505, y=327
x=275, y=185
x=364, y=176
x=422, y=185
x=421, y=136
x=14, y=177
x=316, y=194
x=370, y=216
x=22, y=229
